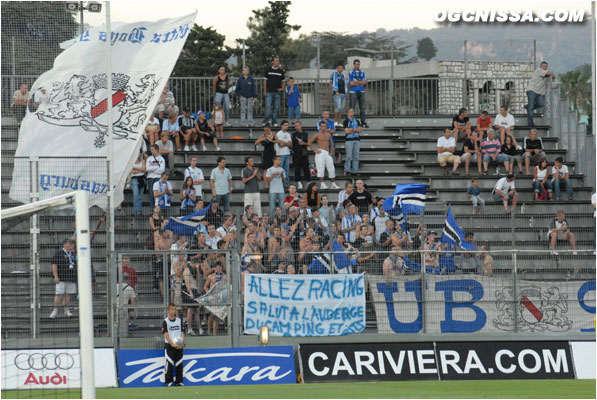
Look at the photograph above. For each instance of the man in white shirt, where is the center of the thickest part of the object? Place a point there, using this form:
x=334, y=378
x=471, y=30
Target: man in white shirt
x=197, y=174
x=282, y=146
x=537, y=89
x=155, y=166
x=504, y=123
x=162, y=193
x=226, y=227
x=560, y=230
x=166, y=149
x=446, y=145
x=561, y=176
x=505, y=190
x=380, y=223
x=351, y=223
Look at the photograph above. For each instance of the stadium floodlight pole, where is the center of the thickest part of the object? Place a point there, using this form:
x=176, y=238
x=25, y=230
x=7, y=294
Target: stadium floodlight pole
x=85, y=294
x=593, y=66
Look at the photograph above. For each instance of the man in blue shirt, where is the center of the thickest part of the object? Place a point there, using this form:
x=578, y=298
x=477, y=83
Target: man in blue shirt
x=247, y=92
x=357, y=81
x=293, y=97
x=339, y=90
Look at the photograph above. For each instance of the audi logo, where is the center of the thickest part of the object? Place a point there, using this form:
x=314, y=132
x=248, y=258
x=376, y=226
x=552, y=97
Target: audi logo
x=48, y=361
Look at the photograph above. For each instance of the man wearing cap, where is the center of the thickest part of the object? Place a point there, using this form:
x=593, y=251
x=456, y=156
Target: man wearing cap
x=64, y=271
x=206, y=131
x=188, y=128
x=275, y=176
x=505, y=190
x=533, y=149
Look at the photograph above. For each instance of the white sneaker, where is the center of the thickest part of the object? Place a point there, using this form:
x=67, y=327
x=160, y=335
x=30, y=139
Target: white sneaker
x=67, y=313
x=554, y=253
x=204, y=148
x=190, y=332
x=194, y=148
x=218, y=149
x=323, y=186
x=575, y=253
x=334, y=186
x=299, y=186
x=201, y=332
x=54, y=313
x=187, y=148
x=228, y=124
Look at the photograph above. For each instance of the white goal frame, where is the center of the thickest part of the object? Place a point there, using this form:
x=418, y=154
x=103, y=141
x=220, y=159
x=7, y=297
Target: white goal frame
x=80, y=199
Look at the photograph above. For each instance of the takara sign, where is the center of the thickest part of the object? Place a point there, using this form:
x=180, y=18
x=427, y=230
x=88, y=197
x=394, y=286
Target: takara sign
x=471, y=303
x=237, y=366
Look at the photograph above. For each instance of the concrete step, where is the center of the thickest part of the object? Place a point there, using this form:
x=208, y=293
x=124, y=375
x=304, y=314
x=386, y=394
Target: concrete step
x=533, y=207
x=449, y=194
x=429, y=156
x=415, y=143
x=487, y=182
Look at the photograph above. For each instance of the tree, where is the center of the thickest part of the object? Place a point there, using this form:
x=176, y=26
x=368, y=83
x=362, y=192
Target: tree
x=38, y=28
x=576, y=86
x=269, y=32
x=202, y=54
x=426, y=49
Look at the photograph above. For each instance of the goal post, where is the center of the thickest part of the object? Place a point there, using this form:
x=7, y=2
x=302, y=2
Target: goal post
x=80, y=199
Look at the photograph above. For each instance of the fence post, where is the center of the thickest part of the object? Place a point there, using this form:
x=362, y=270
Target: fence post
x=34, y=252
x=391, y=89
x=515, y=289
x=235, y=300
x=423, y=286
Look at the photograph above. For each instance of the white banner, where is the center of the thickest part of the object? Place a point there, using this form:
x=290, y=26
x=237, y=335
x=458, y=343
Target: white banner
x=73, y=123
x=216, y=299
x=54, y=369
x=311, y=305
x=471, y=303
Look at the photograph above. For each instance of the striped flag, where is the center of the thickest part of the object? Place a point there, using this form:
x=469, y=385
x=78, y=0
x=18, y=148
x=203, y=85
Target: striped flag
x=452, y=233
x=185, y=226
x=408, y=198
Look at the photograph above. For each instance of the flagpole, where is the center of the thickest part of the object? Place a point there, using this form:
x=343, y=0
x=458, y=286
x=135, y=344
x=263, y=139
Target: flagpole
x=110, y=147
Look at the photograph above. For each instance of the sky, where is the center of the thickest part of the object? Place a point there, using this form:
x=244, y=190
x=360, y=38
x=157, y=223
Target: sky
x=352, y=16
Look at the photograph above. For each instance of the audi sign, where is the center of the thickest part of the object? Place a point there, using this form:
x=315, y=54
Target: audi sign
x=55, y=368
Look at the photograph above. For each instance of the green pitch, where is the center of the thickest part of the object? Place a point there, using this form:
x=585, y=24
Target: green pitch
x=517, y=389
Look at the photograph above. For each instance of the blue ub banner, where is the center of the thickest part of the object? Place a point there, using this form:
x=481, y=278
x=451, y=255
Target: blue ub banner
x=294, y=305
x=237, y=366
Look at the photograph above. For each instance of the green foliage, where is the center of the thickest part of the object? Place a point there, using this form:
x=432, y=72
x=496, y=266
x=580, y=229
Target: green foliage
x=426, y=49
x=38, y=29
x=269, y=33
x=202, y=54
x=576, y=86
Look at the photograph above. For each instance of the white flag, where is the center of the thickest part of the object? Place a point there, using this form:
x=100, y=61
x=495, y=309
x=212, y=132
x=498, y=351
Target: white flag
x=69, y=132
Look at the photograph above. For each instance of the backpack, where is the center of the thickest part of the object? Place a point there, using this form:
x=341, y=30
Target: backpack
x=543, y=194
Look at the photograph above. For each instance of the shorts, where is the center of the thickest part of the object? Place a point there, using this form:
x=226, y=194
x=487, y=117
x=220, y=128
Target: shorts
x=339, y=102
x=66, y=287
x=184, y=129
x=186, y=299
x=205, y=137
x=294, y=112
x=444, y=159
x=534, y=157
x=497, y=197
x=473, y=156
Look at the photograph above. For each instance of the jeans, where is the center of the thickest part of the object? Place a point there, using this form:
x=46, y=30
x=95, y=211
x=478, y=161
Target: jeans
x=275, y=199
x=352, y=154
x=478, y=201
x=275, y=97
x=294, y=112
x=286, y=166
x=499, y=159
x=546, y=185
x=138, y=191
x=355, y=98
x=339, y=102
x=246, y=110
x=150, y=182
x=535, y=101
x=556, y=183
x=224, y=100
x=301, y=164
x=224, y=201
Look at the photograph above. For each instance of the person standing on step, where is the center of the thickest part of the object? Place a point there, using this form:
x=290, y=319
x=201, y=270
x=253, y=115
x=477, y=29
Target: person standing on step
x=250, y=176
x=247, y=93
x=173, y=328
x=536, y=91
x=64, y=271
x=300, y=158
x=361, y=198
x=221, y=183
x=221, y=84
x=339, y=90
x=272, y=91
x=275, y=178
x=283, y=145
x=352, y=129
x=294, y=99
x=323, y=158
x=357, y=81
x=325, y=123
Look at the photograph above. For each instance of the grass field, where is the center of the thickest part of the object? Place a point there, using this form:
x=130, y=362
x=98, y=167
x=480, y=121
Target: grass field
x=537, y=389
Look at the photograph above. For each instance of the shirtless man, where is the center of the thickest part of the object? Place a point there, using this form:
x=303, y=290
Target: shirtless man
x=323, y=158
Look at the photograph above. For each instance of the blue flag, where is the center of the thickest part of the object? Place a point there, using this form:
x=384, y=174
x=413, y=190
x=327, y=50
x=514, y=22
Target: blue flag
x=321, y=263
x=186, y=226
x=412, y=197
x=453, y=235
